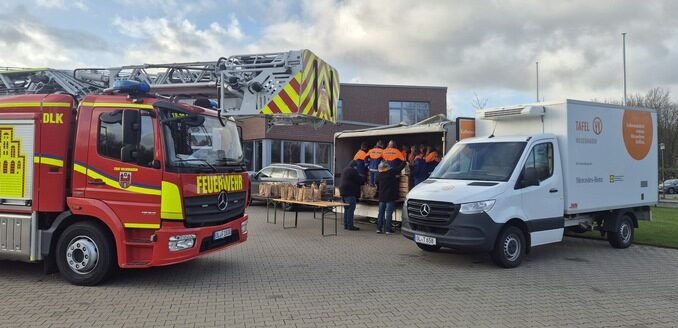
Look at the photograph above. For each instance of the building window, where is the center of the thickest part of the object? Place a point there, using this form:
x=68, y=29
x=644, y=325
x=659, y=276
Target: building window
x=323, y=155
x=258, y=155
x=291, y=151
x=248, y=158
x=409, y=112
x=340, y=110
x=309, y=152
x=276, y=151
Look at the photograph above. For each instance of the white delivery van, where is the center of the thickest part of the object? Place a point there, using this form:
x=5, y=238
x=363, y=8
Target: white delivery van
x=533, y=171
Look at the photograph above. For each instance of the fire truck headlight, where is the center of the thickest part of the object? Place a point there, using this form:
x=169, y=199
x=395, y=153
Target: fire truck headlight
x=181, y=242
x=243, y=227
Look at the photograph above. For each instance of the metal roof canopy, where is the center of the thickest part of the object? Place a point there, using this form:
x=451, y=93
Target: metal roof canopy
x=432, y=124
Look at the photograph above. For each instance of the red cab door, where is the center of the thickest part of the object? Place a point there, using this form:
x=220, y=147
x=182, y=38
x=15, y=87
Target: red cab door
x=128, y=184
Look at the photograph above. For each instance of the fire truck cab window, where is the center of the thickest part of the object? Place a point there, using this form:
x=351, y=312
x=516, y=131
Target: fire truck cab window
x=146, y=148
x=109, y=143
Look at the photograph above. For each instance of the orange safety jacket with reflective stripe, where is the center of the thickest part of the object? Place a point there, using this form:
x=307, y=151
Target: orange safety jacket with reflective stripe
x=432, y=157
x=375, y=153
x=361, y=155
x=391, y=154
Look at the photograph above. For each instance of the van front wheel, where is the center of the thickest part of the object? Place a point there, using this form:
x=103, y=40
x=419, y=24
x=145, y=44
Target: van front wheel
x=510, y=247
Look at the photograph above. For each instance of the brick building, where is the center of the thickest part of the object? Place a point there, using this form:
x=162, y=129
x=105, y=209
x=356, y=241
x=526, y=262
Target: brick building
x=360, y=106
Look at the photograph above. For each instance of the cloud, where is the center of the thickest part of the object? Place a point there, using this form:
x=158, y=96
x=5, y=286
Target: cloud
x=173, y=40
x=490, y=45
x=62, y=4
x=486, y=47
x=172, y=8
x=27, y=42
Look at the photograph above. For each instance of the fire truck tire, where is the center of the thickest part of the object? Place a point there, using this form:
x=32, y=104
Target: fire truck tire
x=85, y=254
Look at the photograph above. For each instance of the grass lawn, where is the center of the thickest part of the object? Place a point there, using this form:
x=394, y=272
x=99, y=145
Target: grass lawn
x=661, y=231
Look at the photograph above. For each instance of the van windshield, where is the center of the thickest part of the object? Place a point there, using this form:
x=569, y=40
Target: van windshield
x=487, y=161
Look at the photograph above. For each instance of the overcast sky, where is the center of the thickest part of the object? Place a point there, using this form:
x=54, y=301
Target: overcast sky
x=488, y=48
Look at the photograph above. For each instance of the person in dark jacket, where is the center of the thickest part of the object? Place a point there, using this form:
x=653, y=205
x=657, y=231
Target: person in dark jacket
x=432, y=159
x=419, y=168
x=389, y=193
x=350, y=191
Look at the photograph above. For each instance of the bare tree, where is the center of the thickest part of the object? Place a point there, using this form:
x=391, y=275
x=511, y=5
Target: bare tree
x=478, y=102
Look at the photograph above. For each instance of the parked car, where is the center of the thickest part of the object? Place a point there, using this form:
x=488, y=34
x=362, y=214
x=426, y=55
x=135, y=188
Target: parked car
x=300, y=174
x=669, y=186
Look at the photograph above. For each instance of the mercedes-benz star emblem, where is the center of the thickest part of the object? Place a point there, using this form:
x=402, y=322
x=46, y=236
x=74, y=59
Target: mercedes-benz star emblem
x=222, y=200
x=425, y=210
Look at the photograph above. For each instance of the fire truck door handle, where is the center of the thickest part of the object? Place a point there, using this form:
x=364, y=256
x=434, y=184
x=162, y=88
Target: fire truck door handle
x=96, y=182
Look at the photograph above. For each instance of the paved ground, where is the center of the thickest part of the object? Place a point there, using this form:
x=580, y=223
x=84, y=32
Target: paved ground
x=360, y=279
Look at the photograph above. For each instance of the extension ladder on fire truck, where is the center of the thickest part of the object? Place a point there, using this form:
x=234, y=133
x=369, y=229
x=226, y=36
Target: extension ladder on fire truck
x=294, y=87
x=42, y=80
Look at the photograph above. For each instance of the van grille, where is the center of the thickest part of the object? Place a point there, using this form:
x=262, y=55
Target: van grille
x=202, y=211
x=441, y=213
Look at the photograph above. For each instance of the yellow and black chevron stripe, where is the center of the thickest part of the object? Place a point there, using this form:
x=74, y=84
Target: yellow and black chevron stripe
x=313, y=91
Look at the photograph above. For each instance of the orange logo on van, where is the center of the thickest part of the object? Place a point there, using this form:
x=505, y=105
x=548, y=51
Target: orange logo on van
x=637, y=130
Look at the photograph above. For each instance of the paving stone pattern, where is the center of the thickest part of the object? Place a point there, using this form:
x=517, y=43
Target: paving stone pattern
x=296, y=278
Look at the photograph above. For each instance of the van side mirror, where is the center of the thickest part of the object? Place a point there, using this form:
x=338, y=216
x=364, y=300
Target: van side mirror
x=131, y=120
x=529, y=178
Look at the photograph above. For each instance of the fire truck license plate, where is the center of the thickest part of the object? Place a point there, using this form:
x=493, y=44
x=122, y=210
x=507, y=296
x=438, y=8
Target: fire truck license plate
x=221, y=234
x=425, y=240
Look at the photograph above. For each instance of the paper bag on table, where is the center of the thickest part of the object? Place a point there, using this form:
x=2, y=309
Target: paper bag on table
x=299, y=194
x=265, y=190
x=317, y=195
x=283, y=191
x=308, y=194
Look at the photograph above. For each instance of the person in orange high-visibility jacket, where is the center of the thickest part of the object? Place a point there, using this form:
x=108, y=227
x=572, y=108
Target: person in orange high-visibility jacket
x=361, y=160
x=393, y=156
x=432, y=159
x=374, y=157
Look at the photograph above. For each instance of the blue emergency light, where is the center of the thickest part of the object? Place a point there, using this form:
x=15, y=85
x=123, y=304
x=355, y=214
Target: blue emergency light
x=130, y=86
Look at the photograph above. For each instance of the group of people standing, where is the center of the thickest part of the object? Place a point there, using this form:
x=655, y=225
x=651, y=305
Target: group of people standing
x=382, y=166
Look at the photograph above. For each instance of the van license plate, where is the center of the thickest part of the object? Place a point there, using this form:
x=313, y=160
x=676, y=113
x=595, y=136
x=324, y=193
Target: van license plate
x=425, y=240
x=221, y=234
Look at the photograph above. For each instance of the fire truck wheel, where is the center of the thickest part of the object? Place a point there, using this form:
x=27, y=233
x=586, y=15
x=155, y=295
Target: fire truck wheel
x=85, y=254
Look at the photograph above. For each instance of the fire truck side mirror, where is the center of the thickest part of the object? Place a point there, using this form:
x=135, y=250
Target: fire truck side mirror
x=130, y=127
x=128, y=153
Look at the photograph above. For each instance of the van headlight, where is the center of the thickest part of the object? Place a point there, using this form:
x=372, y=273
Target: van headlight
x=476, y=207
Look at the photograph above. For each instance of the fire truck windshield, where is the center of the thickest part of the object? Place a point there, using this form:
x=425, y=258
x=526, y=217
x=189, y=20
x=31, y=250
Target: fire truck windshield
x=202, y=144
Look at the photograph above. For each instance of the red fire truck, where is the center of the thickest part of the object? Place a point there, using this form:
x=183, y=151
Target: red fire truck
x=125, y=178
